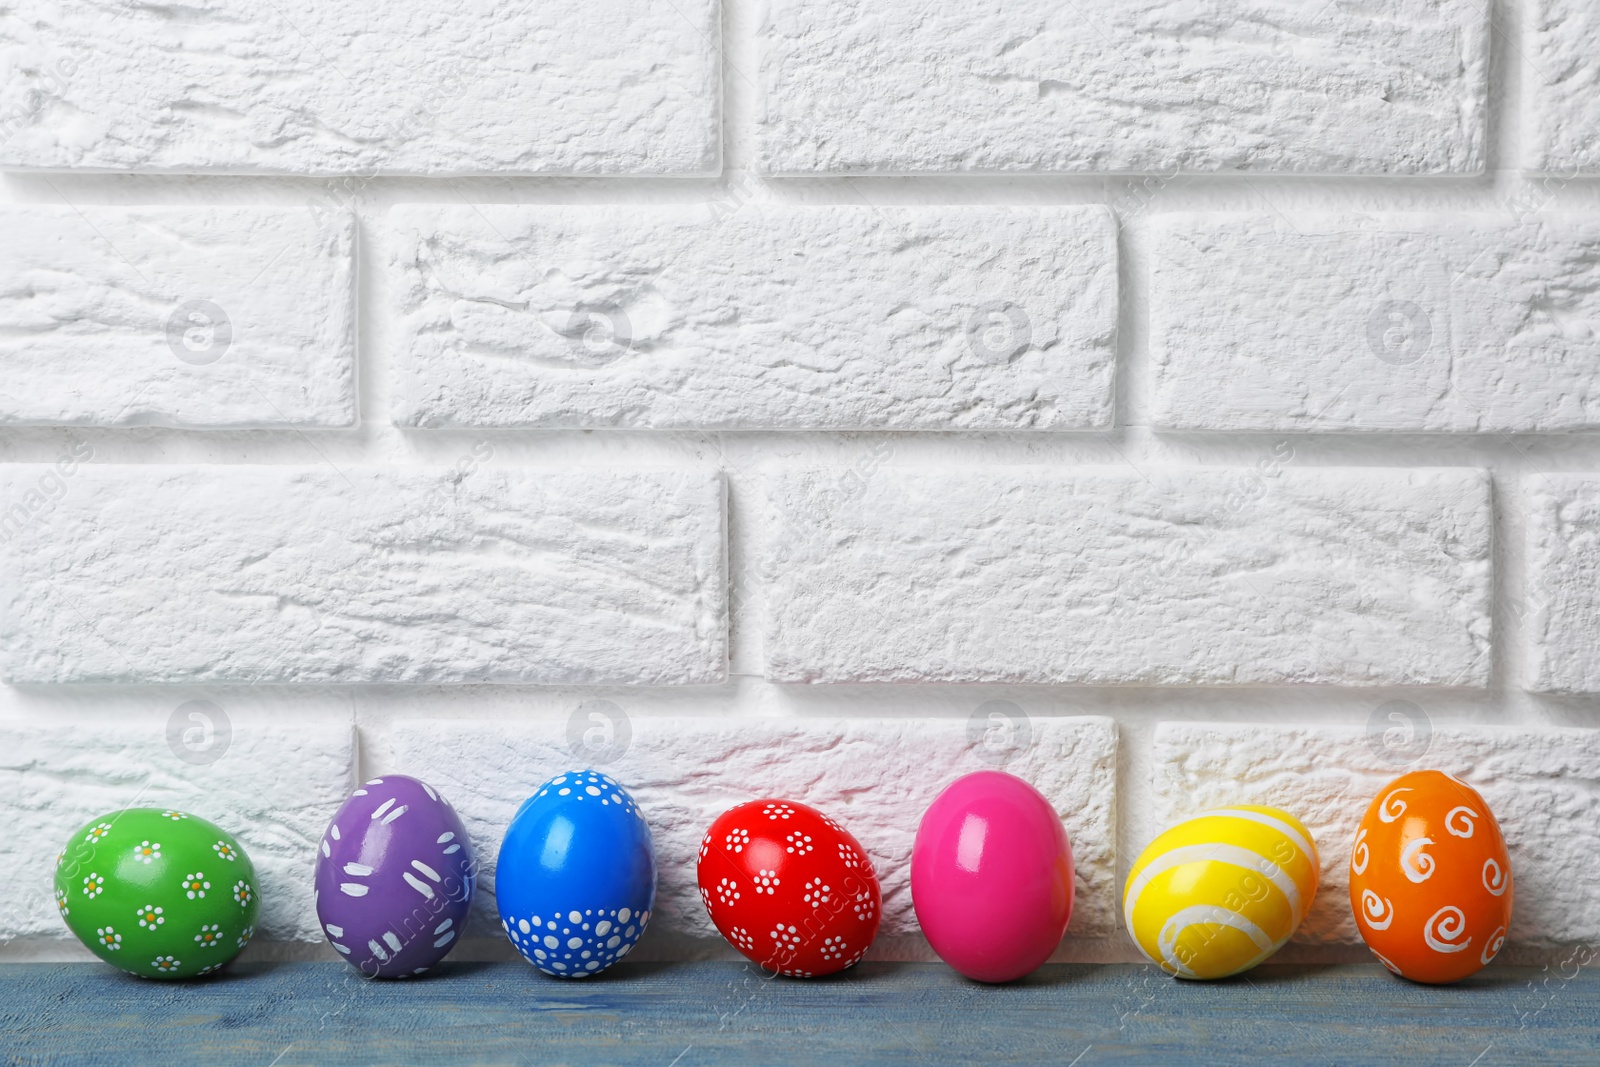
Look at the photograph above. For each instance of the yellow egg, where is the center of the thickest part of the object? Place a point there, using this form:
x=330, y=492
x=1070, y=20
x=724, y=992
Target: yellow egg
x=1218, y=894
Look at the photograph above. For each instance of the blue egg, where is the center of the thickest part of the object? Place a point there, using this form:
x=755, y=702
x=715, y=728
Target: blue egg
x=576, y=880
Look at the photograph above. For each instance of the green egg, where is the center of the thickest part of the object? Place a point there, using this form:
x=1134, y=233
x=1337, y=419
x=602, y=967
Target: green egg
x=158, y=893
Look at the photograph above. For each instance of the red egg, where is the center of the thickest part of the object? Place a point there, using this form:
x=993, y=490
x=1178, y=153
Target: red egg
x=992, y=877
x=789, y=888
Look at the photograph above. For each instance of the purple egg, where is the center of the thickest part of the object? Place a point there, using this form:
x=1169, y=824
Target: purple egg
x=395, y=878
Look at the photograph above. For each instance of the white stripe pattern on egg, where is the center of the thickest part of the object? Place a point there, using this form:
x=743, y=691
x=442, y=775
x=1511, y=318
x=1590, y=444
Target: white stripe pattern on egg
x=1267, y=820
x=1231, y=854
x=1200, y=914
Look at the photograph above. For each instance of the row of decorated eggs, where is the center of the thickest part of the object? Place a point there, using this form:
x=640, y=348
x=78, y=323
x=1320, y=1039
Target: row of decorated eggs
x=1430, y=884
x=790, y=888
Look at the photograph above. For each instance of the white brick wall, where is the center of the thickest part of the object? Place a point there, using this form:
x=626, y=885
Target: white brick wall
x=688, y=317
x=408, y=87
x=1470, y=323
x=355, y=358
x=1394, y=87
x=1022, y=574
x=202, y=317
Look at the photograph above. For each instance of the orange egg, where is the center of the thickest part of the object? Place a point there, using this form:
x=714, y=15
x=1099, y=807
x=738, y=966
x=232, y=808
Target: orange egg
x=1430, y=880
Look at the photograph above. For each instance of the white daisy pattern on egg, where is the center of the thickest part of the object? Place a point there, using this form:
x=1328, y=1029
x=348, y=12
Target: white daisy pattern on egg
x=815, y=906
x=147, y=851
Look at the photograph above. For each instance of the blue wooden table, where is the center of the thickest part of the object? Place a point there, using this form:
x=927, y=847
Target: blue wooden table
x=689, y=1014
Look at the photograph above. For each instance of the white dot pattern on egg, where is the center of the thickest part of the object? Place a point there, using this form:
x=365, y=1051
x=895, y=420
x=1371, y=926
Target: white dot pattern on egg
x=590, y=785
x=579, y=915
x=578, y=943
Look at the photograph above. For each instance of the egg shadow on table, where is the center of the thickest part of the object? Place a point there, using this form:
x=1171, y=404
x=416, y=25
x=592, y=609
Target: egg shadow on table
x=445, y=971
x=617, y=972
x=1044, y=976
x=1288, y=974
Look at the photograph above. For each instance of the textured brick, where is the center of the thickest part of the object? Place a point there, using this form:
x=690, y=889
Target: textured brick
x=1382, y=322
x=1561, y=87
x=1542, y=784
x=406, y=87
x=1389, y=87
x=686, y=772
x=772, y=316
x=1161, y=576
x=196, y=317
x=275, y=787
x=284, y=574
x=1562, y=598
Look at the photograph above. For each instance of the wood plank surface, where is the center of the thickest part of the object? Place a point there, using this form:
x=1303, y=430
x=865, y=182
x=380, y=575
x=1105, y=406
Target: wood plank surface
x=690, y=1014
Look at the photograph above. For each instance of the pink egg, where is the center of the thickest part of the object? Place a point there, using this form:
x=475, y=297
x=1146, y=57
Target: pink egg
x=991, y=877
